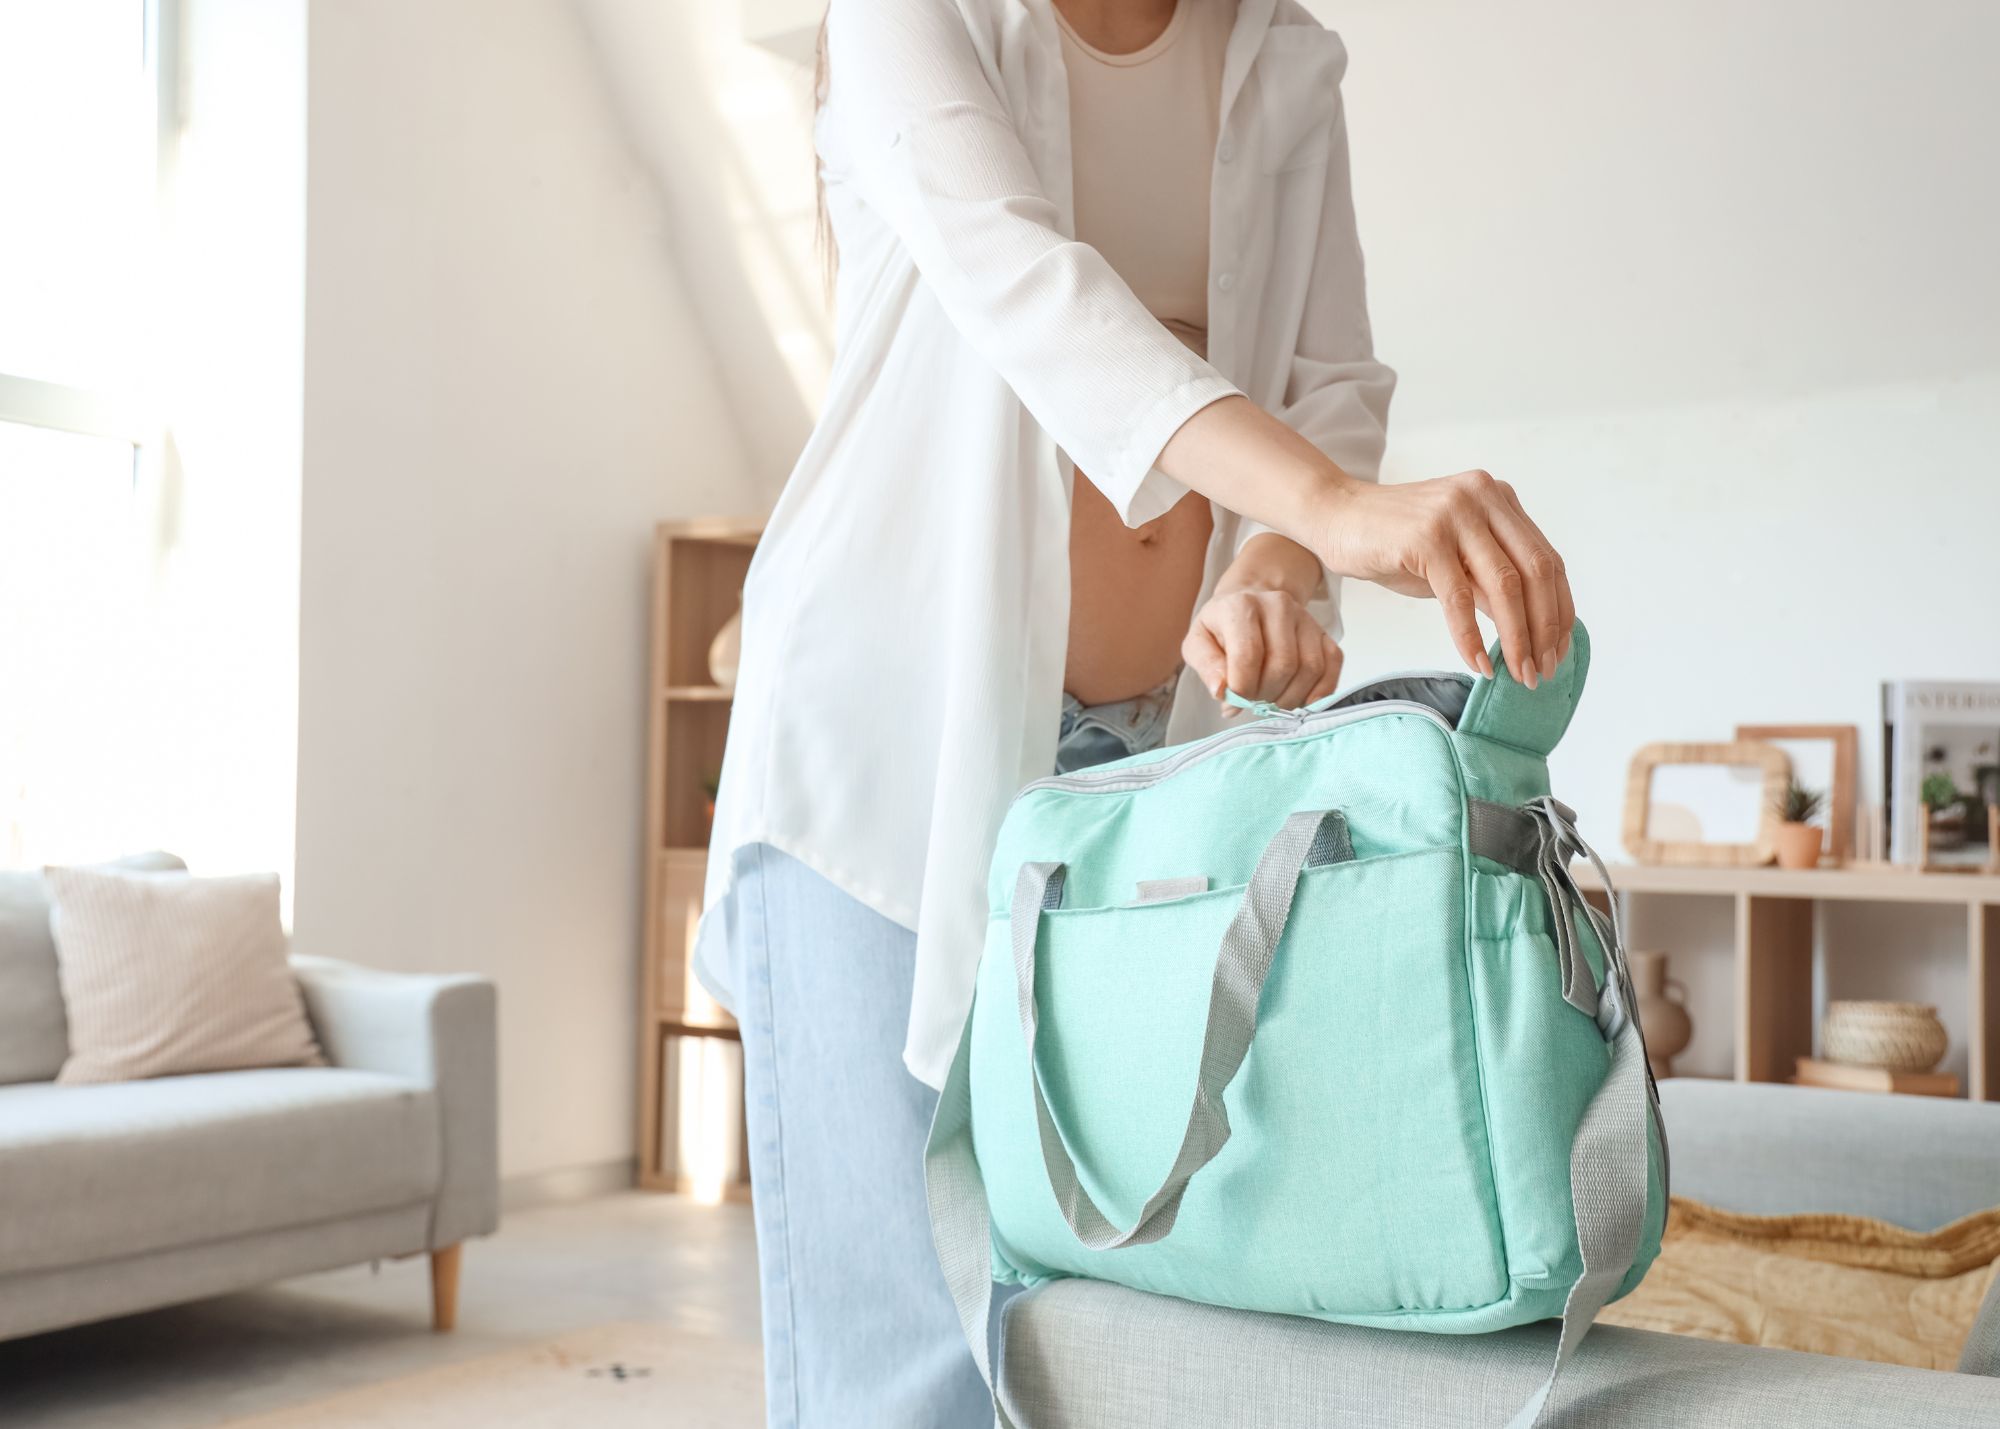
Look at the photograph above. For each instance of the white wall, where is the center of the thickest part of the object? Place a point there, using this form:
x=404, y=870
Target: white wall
x=504, y=390
x=1714, y=286
x=721, y=128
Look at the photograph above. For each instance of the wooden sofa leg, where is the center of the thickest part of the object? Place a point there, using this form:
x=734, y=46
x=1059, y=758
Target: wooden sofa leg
x=444, y=1288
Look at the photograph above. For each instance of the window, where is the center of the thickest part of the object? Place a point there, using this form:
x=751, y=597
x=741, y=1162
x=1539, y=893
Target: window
x=77, y=180
x=71, y=563
x=80, y=93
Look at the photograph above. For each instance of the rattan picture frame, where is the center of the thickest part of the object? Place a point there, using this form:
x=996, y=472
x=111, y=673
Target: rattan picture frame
x=1775, y=769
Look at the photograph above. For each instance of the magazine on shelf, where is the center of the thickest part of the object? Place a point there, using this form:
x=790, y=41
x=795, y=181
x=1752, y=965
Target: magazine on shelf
x=1942, y=736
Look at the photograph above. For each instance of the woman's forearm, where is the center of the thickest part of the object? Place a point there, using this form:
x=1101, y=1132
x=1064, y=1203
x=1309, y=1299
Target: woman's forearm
x=1464, y=539
x=1236, y=453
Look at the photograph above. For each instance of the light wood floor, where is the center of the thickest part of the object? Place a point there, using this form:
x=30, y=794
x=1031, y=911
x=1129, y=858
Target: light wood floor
x=620, y=1258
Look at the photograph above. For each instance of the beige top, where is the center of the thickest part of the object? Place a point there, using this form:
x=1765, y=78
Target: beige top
x=1142, y=149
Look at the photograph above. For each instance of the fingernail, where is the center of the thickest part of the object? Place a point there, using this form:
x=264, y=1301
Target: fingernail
x=1548, y=664
x=1485, y=666
x=1528, y=675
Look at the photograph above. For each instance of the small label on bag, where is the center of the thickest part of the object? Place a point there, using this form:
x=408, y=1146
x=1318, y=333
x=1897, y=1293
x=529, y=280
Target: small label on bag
x=1159, y=890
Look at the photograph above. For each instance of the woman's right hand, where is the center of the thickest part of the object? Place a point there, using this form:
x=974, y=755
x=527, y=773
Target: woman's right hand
x=1466, y=540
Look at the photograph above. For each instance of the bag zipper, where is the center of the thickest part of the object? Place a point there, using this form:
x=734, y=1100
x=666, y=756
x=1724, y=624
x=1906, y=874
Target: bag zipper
x=1281, y=724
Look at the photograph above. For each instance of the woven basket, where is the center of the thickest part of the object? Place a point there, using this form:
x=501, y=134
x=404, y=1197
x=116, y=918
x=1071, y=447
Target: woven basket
x=1900, y=1036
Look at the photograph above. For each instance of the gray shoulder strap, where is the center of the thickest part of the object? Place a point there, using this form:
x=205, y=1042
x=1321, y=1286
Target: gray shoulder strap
x=1610, y=1159
x=960, y=1227
x=1607, y=1186
x=1981, y=1354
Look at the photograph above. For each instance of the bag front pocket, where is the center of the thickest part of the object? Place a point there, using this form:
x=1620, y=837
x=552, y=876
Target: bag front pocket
x=1356, y=1183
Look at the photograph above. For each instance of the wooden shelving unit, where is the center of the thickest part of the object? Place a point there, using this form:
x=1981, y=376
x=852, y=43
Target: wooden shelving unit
x=698, y=573
x=1776, y=911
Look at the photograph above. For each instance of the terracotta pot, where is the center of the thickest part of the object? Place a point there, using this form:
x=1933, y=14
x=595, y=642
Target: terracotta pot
x=1799, y=845
x=1662, y=1018
x=1901, y=1036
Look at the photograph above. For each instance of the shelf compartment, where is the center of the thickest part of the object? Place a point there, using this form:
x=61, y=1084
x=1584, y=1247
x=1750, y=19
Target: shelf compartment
x=1775, y=913
x=690, y=1078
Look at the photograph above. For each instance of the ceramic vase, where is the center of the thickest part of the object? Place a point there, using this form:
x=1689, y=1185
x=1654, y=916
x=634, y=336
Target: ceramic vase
x=725, y=652
x=1662, y=1015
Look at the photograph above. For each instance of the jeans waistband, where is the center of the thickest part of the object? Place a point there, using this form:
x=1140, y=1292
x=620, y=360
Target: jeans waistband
x=1097, y=734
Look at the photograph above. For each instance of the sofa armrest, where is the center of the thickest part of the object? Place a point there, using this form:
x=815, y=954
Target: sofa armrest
x=435, y=1030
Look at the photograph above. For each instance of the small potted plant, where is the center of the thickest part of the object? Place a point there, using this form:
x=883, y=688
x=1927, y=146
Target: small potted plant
x=1944, y=807
x=1799, y=839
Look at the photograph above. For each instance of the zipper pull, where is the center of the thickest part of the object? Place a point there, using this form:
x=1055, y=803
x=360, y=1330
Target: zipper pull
x=1263, y=709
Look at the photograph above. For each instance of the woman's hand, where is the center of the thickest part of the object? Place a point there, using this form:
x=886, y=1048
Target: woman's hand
x=1465, y=540
x=1255, y=635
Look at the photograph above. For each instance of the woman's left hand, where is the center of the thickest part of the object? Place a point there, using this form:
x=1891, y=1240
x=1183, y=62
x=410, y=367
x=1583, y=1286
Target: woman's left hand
x=1263, y=643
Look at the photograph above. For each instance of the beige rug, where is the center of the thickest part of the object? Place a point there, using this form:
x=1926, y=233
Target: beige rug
x=605, y=1378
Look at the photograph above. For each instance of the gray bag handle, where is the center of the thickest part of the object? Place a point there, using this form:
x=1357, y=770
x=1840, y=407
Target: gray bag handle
x=1241, y=966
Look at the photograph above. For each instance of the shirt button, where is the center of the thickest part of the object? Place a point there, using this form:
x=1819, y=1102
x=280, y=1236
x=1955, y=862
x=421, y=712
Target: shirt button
x=1225, y=151
x=1226, y=281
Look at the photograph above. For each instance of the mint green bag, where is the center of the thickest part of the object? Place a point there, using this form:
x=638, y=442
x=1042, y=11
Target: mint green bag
x=1308, y=1017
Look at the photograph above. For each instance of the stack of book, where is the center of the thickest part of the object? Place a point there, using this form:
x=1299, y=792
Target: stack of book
x=1842, y=1077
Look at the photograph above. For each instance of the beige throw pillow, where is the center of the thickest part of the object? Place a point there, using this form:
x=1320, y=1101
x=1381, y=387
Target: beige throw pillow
x=165, y=973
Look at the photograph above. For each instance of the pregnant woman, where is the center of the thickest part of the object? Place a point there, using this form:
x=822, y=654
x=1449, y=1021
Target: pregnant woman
x=1100, y=440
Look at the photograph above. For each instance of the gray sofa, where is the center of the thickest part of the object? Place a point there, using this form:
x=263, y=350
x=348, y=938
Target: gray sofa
x=128, y=1196
x=1076, y=1353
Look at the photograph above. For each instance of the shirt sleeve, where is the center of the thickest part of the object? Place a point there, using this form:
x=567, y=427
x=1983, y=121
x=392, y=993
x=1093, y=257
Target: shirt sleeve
x=913, y=120
x=1337, y=395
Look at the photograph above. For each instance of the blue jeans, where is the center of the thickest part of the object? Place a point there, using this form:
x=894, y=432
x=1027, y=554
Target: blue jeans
x=859, y=1330
x=1097, y=734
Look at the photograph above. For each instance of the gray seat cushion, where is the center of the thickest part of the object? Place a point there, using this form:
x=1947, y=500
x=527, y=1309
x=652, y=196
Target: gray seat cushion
x=34, y=1033
x=1082, y=1355
x=91, y=1173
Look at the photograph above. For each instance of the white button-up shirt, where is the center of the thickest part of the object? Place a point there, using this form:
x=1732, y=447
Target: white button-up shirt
x=906, y=615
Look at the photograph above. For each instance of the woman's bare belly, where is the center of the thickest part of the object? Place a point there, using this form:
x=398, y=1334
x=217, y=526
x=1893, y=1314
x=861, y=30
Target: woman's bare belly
x=1131, y=594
